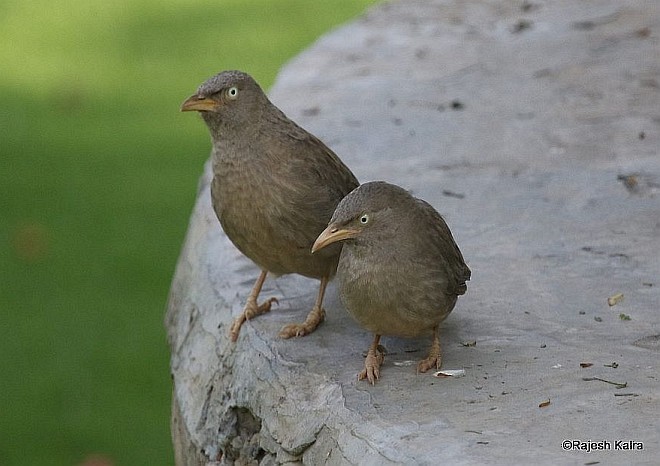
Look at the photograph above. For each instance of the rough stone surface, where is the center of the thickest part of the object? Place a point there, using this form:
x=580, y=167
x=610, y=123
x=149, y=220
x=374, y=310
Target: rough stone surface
x=534, y=127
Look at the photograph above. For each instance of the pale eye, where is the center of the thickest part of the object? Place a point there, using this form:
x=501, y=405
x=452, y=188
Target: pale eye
x=232, y=92
x=364, y=219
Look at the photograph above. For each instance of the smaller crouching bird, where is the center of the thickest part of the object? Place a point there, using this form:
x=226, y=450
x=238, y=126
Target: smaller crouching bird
x=400, y=271
x=274, y=188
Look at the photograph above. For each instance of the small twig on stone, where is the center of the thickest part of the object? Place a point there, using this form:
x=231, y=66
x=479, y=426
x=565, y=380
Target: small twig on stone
x=616, y=384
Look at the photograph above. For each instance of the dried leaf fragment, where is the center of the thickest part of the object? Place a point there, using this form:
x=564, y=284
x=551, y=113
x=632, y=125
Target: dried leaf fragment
x=614, y=300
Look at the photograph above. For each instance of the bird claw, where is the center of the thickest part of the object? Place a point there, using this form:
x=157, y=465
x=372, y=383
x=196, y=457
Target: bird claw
x=250, y=311
x=434, y=359
x=372, y=364
x=294, y=330
x=313, y=320
x=429, y=363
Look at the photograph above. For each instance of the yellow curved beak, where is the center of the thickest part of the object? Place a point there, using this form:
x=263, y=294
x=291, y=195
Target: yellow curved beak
x=195, y=103
x=332, y=234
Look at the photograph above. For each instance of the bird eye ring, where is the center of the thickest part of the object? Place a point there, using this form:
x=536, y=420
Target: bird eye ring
x=364, y=219
x=232, y=92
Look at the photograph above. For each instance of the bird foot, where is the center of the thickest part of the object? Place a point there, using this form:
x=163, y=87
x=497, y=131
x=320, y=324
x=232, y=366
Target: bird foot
x=313, y=320
x=434, y=359
x=250, y=311
x=429, y=363
x=372, y=364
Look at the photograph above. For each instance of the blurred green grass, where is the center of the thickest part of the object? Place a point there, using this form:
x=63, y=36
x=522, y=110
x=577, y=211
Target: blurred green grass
x=98, y=174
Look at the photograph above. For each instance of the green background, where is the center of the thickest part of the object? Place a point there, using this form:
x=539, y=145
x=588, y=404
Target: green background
x=98, y=174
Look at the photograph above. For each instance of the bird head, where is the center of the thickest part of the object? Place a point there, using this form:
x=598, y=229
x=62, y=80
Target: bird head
x=230, y=97
x=366, y=212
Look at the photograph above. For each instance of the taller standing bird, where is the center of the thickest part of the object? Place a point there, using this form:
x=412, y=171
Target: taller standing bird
x=274, y=189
